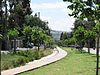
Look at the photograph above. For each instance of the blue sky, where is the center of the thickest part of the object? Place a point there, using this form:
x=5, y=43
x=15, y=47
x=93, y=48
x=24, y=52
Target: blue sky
x=55, y=12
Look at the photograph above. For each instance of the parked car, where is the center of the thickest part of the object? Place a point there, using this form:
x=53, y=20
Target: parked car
x=30, y=45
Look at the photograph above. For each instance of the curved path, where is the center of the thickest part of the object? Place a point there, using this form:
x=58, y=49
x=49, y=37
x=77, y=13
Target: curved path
x=57, y=54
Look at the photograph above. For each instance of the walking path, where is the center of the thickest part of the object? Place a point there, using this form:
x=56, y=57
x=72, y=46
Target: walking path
x=57, y=54
x=92, y=51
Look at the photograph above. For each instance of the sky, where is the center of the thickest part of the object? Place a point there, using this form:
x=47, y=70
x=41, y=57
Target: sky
x=55, y=12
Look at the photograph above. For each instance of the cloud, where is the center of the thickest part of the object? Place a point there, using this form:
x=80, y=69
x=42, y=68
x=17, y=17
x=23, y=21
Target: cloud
x=56, y=14
x=56, y=5
x=62, y=25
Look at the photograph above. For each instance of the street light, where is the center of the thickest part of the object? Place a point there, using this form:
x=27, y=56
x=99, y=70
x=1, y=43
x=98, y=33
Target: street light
x=98, y=39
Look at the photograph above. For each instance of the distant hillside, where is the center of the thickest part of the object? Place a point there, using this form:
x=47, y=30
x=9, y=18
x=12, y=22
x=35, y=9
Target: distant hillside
x=56, y=34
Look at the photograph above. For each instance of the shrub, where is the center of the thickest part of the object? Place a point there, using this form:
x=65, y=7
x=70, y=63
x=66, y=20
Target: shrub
x=19, y=58
x=36, y=55
x=6, y=65
x=9, y=61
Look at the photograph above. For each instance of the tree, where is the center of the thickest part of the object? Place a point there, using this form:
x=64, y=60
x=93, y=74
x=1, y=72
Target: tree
x=97, y=29
x=13, y=34
x=37, y=36
x=36, y=21
x=10, y=16
x=27, y=31
x=87, y=9
x=79, y=35
x=70, y=41
x=1, y=37
x=47, y=40
x=63, y=36
x=17, y=7
x=40, y=37
x=88, y=27
x=89, y=34
x=1, y=16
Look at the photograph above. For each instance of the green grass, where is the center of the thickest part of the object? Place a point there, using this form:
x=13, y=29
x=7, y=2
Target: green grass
x=75, y=63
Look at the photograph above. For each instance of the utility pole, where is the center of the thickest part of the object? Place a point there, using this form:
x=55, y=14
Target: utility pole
x=98, y=39
x=97, y=55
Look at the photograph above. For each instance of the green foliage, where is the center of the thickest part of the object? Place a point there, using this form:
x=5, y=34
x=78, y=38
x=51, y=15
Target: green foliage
x=48, y=39
x=83, y=8
x=36, y=21
x=13, y=33
x=27, y=30
x=72, y=40
x=79, y=33
x=37, y=35
x=90, y=34
x=40, y=37
x=97, y=27
x=11, y=60
x=19, y=20
x=68, y=41
x=19, y=8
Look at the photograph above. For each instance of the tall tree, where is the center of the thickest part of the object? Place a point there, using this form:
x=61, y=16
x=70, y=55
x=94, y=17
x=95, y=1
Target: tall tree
x=89, y=9
x=13, y=34
x=88, y=26
x=40, y=37
x=36, y=21
x=27, y=31
x=13, y=16
x=63, y=36
x=16, y=7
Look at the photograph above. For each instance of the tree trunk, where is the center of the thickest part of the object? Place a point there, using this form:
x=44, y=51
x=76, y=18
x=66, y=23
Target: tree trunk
x=0, y=45
x=14, y=45
x=89, y=46
x=38, y=46
x=44, y=47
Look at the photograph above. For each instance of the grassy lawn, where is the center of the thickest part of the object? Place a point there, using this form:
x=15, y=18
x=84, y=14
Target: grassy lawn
x=75, y=63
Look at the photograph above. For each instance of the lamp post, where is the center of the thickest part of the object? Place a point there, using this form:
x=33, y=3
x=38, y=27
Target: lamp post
x=97, y=55
x=98, y=39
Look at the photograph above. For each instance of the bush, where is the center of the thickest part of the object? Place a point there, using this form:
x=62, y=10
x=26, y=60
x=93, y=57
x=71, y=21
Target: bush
x=19, y=61
x=29, y=54
x=6, y=65
x=19, y=58
x=11, y=61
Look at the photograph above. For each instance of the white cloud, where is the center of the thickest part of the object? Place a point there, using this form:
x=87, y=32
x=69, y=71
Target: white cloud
x=61, y=23
x=48, y=5
x=46, y=18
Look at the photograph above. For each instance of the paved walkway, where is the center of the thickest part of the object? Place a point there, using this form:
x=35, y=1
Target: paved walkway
x=92, y=51
x=57, y=54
